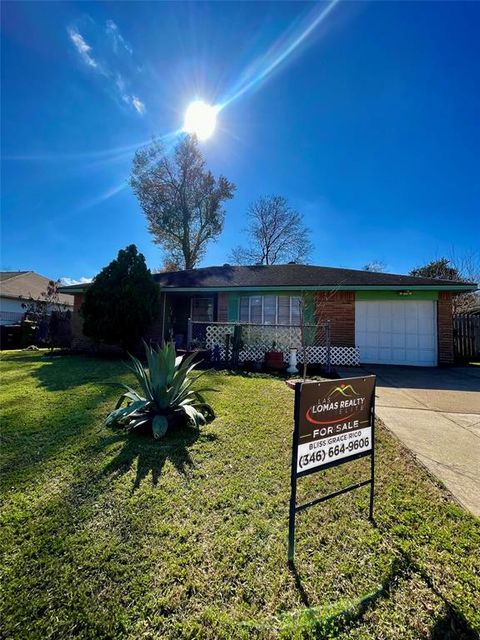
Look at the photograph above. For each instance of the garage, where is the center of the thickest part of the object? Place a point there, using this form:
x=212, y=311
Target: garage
x=396, y=332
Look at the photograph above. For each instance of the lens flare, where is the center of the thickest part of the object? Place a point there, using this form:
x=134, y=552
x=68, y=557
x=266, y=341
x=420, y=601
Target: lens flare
x=279, y=52
x=200, y=119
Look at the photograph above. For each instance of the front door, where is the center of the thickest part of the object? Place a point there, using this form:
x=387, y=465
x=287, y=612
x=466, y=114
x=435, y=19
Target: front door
x=201, y=309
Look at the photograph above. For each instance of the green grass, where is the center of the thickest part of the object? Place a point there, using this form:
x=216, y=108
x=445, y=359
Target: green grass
x=112, y=536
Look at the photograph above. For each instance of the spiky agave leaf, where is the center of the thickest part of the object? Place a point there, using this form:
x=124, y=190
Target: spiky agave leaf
x=159, y=426
x=142, y=377
x=168, y=387
x=119, y=416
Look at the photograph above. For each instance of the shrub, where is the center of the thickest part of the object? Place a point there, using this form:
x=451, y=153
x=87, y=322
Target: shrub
x=122, y=301
x=168, y=397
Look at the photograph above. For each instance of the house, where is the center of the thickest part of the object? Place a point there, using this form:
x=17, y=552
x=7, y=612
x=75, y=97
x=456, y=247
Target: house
x=372, y=317
x=19, y=287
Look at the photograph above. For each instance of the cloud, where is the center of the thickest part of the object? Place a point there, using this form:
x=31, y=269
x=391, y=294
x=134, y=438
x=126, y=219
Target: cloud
x=118, y=41
x=107, y=64
x=82, y=47
x=138, y=104
x=66, y=281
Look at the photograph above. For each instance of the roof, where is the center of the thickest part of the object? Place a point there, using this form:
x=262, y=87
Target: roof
x=26, y=284
x=7, y=275
x=290, y=276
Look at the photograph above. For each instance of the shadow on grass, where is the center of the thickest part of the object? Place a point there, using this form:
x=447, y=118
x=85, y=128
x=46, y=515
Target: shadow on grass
x=350, y=616
x=63, y=371
x=151, y=455
x=451, y=626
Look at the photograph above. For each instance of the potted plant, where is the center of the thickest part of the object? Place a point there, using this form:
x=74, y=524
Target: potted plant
x=166, y=400
x=274, y=359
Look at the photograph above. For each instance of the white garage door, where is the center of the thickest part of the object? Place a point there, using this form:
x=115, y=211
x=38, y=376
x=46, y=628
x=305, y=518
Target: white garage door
x=396, y=332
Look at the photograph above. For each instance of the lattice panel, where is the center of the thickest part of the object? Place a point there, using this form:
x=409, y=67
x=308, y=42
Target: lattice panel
x=346, y=356
x=257, y=340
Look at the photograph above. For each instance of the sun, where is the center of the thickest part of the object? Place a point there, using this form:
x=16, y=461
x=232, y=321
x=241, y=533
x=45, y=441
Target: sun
x=200, y=119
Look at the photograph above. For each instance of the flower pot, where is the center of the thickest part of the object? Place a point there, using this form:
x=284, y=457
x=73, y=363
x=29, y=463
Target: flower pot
x=274, y=360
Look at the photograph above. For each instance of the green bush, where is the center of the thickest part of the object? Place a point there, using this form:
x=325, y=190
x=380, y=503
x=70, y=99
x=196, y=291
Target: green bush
x=122, y=301
x=168, y=399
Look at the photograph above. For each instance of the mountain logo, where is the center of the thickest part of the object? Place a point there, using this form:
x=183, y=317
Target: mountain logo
x=346, y=390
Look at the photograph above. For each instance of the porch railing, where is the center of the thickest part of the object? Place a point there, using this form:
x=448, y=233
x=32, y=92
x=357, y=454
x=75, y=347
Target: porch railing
x=238, y=343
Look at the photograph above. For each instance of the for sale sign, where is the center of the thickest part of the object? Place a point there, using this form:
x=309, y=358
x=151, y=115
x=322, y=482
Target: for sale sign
x=334, y=422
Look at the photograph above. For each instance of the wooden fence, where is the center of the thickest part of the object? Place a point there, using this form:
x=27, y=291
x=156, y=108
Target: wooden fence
x=466, y=336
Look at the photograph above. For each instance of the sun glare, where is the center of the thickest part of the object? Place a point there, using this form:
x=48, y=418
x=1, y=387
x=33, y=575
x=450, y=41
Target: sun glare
x=200, y=119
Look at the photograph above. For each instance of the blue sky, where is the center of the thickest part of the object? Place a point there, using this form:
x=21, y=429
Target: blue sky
x=369, y=124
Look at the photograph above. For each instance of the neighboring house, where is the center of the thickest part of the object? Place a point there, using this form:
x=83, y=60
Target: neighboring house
x=374, y=317
x=17, y=288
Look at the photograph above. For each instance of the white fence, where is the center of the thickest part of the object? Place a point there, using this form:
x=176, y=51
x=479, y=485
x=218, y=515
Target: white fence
x=242, y=342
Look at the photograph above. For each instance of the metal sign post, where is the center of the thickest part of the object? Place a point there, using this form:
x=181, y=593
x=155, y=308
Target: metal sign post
x=334, y=423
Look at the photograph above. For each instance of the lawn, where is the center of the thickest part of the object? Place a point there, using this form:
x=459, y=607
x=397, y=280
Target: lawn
x=112, y=536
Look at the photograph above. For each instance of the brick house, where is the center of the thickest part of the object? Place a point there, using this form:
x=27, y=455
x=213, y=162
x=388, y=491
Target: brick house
x=374, y=317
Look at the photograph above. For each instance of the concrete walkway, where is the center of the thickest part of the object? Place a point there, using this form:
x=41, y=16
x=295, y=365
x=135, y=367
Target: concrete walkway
x=436, y=414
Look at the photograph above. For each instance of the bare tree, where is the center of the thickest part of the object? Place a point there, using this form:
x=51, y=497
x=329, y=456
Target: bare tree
x=276, y=234
x=180, y=198
x=48, y=302
x=50, y=315
x=376, y=266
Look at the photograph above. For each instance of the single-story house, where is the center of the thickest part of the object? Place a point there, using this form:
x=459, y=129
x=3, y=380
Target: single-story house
x=373, y=317
x=18, y=288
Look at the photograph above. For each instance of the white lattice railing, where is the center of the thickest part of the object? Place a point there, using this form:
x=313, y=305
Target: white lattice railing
x=256, y=340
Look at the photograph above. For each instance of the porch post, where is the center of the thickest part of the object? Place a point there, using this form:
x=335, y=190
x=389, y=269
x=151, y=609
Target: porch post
x=189, y=334
x=163, y=318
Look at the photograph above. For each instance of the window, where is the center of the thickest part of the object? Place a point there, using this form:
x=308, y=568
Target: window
x=270, y=309
x=202, y=309
x=283, y=310
x=244, y=309
x=256, y=309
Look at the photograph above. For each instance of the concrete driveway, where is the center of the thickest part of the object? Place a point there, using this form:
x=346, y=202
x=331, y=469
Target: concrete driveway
x=436, y=414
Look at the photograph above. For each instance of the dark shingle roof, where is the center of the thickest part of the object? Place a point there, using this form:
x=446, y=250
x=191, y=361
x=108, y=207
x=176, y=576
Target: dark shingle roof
x=289, y=275
x=285, y=275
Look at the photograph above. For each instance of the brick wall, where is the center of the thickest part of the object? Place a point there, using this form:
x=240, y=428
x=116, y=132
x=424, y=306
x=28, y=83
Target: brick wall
x=339, y=308
x=445, y=328
x=79, y=341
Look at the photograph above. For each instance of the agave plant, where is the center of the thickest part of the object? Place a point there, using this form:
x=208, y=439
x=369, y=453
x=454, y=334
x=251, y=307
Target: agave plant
x=168, y=397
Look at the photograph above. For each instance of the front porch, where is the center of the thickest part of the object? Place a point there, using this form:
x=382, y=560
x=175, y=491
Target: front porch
x=199, y=322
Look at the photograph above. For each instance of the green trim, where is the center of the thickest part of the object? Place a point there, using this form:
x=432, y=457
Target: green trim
x=395, y=295
x=232, y=309
x=297, y=290
x=71, y=292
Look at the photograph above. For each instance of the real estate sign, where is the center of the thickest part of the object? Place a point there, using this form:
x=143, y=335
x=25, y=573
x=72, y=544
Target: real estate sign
x=334, y=422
